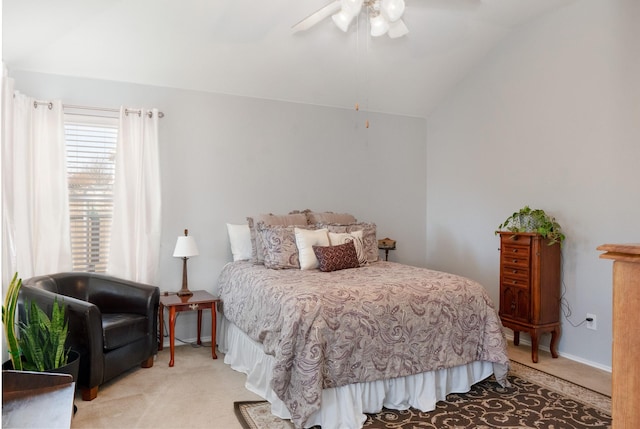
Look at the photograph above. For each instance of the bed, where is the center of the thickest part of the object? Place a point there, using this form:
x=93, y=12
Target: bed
x=324, y=347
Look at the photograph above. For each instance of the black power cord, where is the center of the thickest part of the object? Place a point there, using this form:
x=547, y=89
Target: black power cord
x=564, y=303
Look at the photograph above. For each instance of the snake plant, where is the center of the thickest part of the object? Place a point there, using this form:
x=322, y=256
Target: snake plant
x=41, y=343
x=9, y=321
x=42, y=339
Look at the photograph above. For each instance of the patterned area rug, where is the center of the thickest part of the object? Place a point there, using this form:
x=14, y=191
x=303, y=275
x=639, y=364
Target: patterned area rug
x=536, y=400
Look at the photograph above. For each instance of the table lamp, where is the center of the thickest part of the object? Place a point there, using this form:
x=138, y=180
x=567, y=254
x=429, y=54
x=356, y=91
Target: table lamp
x=185, y=248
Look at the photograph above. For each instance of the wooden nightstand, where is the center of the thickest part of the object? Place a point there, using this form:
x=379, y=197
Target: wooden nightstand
x=200, y=300
x=386, y=244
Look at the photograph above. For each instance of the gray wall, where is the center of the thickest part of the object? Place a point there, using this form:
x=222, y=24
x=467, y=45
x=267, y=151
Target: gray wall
x=225, y=157
x=551, y=119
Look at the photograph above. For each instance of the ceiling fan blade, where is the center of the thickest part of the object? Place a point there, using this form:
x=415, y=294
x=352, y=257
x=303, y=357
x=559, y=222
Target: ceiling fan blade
x=317, y=16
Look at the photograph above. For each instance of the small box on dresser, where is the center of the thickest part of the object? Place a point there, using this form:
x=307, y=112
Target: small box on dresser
x=530, y=287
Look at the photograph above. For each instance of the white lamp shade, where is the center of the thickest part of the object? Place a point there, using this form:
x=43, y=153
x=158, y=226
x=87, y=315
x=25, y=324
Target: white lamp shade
x=342, y=20
x=397, y=29
x=393, y=9
x=379, y=25
x=185, y=247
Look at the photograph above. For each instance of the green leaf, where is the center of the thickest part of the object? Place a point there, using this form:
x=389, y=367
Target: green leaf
x=9, y=321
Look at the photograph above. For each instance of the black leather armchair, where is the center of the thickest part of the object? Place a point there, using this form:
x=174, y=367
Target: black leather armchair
x=112, y=322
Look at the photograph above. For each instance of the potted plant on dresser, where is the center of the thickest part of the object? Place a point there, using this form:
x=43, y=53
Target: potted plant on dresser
x=534, y=221
x=38, y=343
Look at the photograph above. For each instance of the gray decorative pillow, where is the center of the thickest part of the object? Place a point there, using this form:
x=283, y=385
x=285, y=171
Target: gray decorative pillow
x=369, y=238
x=279, y=246
x=333, y=258
x=257, y=254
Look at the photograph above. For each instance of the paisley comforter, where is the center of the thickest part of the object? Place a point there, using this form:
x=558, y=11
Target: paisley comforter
x=380, y=321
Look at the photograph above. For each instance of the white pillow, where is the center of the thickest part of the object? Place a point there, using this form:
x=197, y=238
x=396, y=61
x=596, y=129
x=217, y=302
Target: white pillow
x=344, y=237
x=305, y=240
x=240, y=239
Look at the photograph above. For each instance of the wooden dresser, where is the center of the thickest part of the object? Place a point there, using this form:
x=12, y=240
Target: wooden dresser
x=530, y=287
x=625, y=392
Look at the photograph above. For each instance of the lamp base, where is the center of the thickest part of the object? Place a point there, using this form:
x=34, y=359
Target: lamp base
x=184, y=292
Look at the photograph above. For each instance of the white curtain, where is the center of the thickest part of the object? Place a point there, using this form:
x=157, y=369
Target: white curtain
x=35, y=201
x=134, y=251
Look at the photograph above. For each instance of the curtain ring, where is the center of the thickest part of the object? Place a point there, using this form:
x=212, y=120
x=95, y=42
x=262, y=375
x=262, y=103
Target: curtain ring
x=127, y=111
x=49, y=104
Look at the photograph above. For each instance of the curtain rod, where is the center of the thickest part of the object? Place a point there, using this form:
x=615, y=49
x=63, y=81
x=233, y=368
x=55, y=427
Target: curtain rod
x=101, y=109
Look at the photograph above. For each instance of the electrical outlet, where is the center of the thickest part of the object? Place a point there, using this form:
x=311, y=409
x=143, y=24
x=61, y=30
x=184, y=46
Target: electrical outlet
x=592, y=324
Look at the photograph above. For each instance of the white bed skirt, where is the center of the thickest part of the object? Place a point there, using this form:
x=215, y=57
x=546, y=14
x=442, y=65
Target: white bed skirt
x=344, y=407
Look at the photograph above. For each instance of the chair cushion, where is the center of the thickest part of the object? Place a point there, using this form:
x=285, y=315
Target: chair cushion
x=120, y=329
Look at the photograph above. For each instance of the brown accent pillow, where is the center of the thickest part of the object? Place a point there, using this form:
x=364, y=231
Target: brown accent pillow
x=333, y=258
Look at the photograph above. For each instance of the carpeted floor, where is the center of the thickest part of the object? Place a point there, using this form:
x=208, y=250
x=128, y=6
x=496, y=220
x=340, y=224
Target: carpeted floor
x=536, y=400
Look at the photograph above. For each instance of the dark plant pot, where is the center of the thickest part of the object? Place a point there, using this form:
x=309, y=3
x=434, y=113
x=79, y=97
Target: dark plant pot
x=72, y=367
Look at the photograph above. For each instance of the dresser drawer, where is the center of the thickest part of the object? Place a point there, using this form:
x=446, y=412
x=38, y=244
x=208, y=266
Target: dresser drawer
x=520, y=240
x=515, y=256
x=506, y=280
x=518, y=251
x=516, y=271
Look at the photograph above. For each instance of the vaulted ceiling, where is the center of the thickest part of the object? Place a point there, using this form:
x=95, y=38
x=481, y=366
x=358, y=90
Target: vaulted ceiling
x=247, y=47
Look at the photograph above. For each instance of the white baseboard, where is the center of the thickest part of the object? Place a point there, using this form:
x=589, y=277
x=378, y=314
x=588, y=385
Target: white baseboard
x=527, y=342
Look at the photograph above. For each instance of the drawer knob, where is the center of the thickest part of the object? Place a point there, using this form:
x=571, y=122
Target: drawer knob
x=515, y=260
x=515, y=250
x=515, y=271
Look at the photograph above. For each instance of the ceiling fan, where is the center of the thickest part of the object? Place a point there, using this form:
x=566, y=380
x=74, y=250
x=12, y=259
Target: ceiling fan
x=385, y=16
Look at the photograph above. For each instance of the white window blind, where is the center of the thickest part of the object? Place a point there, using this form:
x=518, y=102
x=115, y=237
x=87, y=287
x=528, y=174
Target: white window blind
x=91, y=147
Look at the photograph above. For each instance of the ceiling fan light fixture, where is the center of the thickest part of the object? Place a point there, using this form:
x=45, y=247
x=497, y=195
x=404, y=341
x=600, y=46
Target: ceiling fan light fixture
x=397, y=29
x=384, y=16
x=342, y=20
x=379, y=25
x=392, y=9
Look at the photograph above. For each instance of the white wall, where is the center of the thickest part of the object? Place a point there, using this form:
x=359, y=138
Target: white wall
x=224, y=158
x=551, y=119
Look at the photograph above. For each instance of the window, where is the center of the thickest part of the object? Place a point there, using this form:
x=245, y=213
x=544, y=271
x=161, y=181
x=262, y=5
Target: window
x=91, y=148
